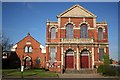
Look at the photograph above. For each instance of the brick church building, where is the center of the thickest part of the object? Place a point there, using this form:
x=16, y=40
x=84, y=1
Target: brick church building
x=76, y=41
x=30, y=52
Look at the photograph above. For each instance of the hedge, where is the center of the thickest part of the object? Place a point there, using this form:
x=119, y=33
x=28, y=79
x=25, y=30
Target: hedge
x=109, y=70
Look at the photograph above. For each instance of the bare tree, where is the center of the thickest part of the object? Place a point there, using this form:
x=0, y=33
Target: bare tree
x=5, y=42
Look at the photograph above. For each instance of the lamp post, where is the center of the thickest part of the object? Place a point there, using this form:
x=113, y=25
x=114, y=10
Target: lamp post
x=22, y=67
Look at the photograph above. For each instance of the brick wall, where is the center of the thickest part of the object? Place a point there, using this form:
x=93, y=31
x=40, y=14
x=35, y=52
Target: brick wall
x=36, y=51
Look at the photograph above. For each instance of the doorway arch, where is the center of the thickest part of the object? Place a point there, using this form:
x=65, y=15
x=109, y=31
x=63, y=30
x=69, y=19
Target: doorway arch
x=27, y=62
x=84, y=59
x=69, y=59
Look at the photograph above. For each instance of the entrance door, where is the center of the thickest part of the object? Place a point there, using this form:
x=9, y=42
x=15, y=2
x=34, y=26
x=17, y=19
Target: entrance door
x=84, y=61
x=27, y=62
x=69, y=59
x=69, y=62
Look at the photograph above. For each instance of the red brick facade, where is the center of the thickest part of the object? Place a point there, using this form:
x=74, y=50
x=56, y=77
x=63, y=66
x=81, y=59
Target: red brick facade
x=34, y=58
x=76, y=16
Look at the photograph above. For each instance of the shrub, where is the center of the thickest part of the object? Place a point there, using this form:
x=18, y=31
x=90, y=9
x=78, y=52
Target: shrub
x=106, y=70
x=101, y=69
x=106, y=59
x=118, y=71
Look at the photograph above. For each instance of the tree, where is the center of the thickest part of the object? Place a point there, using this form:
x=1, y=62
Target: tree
x=106, y=59
x=5, y=42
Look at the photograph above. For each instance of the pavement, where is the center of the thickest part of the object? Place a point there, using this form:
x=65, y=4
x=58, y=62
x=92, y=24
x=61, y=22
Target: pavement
x=64, y=77
x=84, y=76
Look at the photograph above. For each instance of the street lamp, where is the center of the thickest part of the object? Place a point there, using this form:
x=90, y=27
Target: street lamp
x=22, y=67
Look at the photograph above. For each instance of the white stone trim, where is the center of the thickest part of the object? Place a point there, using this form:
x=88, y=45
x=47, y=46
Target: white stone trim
x=28, y=42
x=70, y=48
x=59, y=22
x=85, y=54
x=107, y=45
x=70, y=23
x=28, y=57
x=83, y=19
x=104, y=50
x=94, y=22
x=91, y=28
x=78, y=28
x=101, y=27
x=93, y=58
x=69, y=20
x=70, y=54
x=14, y=47
x=63, y=28
x=56, y=49
x=84, y=22
x=86, y=12
x=43, y=49
x=101, y=24
x=54, y=27
x=77, y=59
x=86, y=49
x=62, y=56
x=49, y=49
x=98, y=50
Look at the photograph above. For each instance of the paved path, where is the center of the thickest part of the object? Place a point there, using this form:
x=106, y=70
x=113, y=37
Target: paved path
x=82, y=76
x=65, y=75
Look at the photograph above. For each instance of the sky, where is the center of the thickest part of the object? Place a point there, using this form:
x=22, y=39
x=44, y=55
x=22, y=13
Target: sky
x=19, y=18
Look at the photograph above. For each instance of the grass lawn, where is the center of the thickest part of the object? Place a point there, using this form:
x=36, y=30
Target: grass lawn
x=26, y=73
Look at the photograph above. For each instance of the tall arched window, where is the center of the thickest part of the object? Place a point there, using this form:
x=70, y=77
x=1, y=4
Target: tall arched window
x=30, y=49
x=52, y=54
x=26, y=49
x=84, y=31
x=69, y=31
x=53, y=33
x=38, y=60
x=100, y=33
x=101, y=53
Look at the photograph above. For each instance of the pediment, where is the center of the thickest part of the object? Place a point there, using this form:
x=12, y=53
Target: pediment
x=76, y=11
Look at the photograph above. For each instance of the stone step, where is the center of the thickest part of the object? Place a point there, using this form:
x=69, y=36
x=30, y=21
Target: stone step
x=85, y=71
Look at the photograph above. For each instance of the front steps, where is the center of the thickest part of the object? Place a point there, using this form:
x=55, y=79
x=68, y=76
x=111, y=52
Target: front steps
x=82, y=71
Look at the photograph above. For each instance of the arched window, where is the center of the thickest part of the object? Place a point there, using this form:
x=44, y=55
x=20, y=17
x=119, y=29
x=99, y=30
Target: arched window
x=69, y=31
x=38, y=60
x=30, y=49
x=100, y=33
x=101, y=53
x=53, y=33
x=26, y=49
x=52, y=54
x=84, y=31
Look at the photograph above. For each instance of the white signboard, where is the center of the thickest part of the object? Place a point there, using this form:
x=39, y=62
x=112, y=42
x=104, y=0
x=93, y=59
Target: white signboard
x=22, y=68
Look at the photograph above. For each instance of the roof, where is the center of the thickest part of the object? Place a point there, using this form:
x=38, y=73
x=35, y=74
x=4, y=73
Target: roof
x=41, y=46
x=27, y=36
x=76, y=11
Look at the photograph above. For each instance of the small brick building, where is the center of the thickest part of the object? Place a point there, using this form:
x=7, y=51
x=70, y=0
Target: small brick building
x=76, y=41
x=30, y=52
